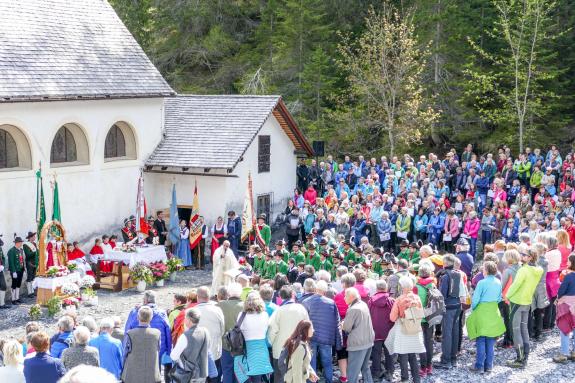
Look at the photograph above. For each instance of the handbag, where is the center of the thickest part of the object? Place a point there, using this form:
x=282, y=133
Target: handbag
x=411, y=323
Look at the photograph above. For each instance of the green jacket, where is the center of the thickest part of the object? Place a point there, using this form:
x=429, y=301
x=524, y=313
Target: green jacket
x=376, y=266
x=269, y=270
x=285, y=254
x=412, y=259
x=349, y=256
x=315, y=261
x=297, y=257
x=31, y=255
x=403, y=223
x=259, y=264
x=485, y=320
x=15, y=260
x=266, y=234
x=535, y=180
x=523, y=168
x=282, y=267
x=523, y=287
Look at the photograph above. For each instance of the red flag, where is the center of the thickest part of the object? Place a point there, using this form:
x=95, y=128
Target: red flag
x=195, y=224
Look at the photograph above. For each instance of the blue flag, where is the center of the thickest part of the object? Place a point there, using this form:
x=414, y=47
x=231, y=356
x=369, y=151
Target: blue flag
x=174, y=234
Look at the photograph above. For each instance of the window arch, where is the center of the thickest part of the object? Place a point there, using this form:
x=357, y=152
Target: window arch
x=69, y=146
x=15, y=151
x=120, y=143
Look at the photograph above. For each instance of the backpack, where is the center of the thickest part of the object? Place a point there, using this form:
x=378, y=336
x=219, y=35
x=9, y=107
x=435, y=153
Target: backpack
x=435, y=307
x=411, y=324
x=234, y=338
x=283, y=360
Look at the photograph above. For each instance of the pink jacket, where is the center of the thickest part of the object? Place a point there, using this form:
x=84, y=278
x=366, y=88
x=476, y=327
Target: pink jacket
x=565, y=318
x=500, y=195
x=310, y=196
x=452, y=226
x=472, y=227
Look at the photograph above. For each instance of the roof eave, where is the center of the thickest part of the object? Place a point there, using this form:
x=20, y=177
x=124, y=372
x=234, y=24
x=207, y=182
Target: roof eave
x=15, y=99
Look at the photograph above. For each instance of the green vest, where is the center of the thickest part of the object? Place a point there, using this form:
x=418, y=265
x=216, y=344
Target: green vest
x=15, y=260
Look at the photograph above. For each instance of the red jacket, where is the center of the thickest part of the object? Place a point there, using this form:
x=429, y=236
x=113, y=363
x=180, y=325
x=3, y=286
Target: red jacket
x=380, y=307
x=565, y=318
x=310, y=196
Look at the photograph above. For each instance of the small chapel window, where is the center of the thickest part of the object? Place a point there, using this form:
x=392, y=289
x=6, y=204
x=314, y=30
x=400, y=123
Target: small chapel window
x=115, y=146
x=63, y=147
x=8, y=151
x=264, y=154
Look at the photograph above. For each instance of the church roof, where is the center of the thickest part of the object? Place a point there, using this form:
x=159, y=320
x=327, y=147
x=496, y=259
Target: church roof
x=215, y=131
x=62, y=49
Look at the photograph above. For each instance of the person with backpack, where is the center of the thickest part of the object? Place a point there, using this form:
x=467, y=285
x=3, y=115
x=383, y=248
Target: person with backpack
x=485, y=324
x=405, y=338
x=454, y=291
x=254, y=365
x=428, y=293
x=295, y=358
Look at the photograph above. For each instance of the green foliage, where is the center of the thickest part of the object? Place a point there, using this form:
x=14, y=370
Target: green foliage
x=54, y=305
x=290, y=47
x=35, y=312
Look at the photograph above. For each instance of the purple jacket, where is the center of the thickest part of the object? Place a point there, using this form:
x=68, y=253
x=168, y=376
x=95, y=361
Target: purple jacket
x=380, y=307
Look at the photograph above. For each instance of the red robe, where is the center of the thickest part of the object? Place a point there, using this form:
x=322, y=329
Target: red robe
x=75, y=254
x=105, y=266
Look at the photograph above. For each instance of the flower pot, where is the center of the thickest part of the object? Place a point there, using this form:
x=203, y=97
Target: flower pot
x=173, y=277
x=141, y=286
x=160, y=283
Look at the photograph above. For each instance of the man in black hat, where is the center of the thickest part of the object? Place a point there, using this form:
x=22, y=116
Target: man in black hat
x=127, y=233
x=348, y=253
x=2, y=278
x=280, y=247
x=31, y=252
x=16, y=266
x=153, y=237
x=133, y=223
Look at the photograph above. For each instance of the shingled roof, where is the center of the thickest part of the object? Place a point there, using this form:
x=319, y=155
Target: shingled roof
x=61, y=49
x=215, y=131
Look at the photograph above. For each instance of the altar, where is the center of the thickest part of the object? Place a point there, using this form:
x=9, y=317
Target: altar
x=119, y=277
x=49, y=287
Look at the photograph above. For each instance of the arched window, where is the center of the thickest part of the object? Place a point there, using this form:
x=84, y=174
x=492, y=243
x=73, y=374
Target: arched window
x=8, y=151
x=69, y=147
x=120, y=143
x=15, y=153
x=63, y=147
x=115, y=146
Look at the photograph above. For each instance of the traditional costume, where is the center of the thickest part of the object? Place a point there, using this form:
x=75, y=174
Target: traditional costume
x=224, y=260
x=218, y=234
x=127, y=233
x=78, y=257
x=31, y=252
x=16, y=266
x=265, y=231
x=184, y=252
x=153, y=235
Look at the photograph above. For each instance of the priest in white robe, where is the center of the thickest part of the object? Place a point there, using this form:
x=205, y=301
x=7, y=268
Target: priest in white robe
x=224, y=261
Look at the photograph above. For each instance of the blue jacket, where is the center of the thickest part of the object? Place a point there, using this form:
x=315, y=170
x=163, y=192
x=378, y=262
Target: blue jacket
x=466, y=263
x=482, y=184
x=159, y=321
x=488, y=290
x=60, y=342
x=111, y=358
x=567, y=286
x=42, y=368
x=420, y=223
x=325, y=318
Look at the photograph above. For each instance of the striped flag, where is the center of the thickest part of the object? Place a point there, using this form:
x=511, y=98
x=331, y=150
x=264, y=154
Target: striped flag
x=141, y=209
x=195, y=224
x=248, y=217
x=40, y=206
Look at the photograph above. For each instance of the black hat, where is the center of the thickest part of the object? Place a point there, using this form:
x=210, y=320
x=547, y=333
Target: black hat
x=297, y=243
x=404, y=243
x=323, y=242
x=324, y=253
x=347, y=242
x=414, y=245
x=257, y=249
x=311, y=246
x=150, y=218
x=462, y=242
x=280, y=243
x=30, y=235
x=377, y=251
x=262, y=216
x=132, y=218
x=310, y=235
x=18, y=240
x=126, y=220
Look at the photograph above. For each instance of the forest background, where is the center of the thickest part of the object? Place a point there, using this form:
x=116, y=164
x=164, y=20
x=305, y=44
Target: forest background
x=486, y=72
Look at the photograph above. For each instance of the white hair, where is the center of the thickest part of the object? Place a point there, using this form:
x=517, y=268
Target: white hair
x=351, y=292
x=234, y=290
x=321, y=287
x=323, y=275
x=426, y=249
x=88, y=374
x=107, y=323
x=82, y=335
x=406, y=283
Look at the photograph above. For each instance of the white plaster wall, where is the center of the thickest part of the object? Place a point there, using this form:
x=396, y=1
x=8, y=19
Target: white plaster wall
x=94, y=197
x=218, y=195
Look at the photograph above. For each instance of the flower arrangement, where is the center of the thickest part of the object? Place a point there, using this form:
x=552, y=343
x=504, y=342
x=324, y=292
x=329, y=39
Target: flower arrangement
x=159, y=271
x=72, y=267
x=141, y=272
x=35, y=312
x=89, y=292
x=54, y=305
x=128, y=248
x=70, y=289
x=87, y=282
x=70, y=302
x=57, y=271
x=174, y=264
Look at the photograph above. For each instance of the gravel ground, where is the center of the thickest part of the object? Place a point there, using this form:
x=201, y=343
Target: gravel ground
x=540, y=368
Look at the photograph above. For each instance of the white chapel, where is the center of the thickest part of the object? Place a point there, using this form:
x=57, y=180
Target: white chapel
x=79, y=96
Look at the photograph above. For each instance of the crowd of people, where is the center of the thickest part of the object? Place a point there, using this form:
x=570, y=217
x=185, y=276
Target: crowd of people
x=382, y=260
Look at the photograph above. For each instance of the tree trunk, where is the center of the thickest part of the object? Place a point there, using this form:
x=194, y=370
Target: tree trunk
x=391, y=141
